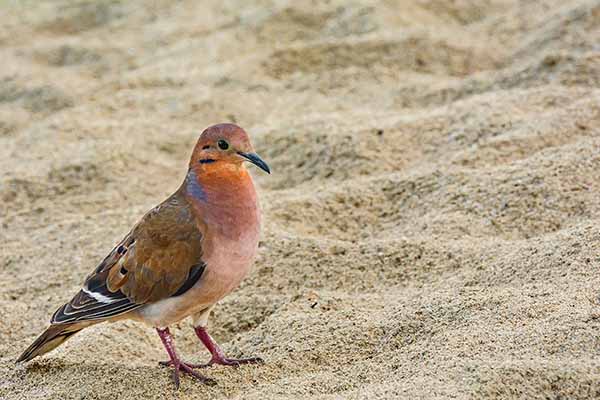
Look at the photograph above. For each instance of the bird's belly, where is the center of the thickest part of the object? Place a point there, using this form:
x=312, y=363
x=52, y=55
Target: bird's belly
x=224, y=271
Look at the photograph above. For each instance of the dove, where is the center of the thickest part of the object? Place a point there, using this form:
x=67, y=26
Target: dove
x=180, y=259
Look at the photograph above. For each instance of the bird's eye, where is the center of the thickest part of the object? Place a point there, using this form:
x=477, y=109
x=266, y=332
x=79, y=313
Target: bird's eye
x=223, y=145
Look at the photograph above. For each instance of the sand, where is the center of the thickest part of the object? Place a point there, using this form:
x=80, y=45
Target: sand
x=431, y=226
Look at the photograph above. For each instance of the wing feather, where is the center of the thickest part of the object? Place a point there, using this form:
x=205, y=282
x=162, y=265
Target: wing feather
x=161, y=257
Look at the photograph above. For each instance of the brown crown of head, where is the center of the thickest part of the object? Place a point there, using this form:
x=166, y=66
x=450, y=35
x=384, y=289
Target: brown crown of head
x=227, y=143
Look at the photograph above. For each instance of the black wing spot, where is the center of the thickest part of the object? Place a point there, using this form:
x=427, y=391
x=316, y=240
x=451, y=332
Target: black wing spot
x=195, y=274
x=123, y=270
x=96, y=283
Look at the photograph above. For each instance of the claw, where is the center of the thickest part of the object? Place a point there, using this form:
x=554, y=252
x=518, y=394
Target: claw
x=218, y=357
x=177, y=364
x=175, y=376
x=189, y=369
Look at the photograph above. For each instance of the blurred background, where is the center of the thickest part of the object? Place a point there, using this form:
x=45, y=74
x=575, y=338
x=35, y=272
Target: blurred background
x=431, y=226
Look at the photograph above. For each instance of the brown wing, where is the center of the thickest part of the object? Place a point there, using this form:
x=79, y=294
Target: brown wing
x=161, y=257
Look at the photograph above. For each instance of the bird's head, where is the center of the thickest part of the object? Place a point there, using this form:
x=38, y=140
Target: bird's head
x=222, y=146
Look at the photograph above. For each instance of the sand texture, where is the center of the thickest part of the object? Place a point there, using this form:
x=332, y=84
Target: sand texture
x=431, y=226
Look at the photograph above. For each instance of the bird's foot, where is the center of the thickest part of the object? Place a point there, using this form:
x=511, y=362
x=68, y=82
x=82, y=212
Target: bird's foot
x=176, y=363
x=232, y=362
x=218, y=356
x=186, y=369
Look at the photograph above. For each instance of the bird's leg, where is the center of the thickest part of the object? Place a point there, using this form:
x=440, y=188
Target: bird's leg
x=218, y=357
x=167, y=340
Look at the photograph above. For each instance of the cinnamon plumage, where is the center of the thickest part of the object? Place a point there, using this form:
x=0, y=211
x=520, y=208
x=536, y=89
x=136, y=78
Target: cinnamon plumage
x=180, y=259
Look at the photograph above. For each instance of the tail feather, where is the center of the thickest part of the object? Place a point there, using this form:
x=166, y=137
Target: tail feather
x=50, y=339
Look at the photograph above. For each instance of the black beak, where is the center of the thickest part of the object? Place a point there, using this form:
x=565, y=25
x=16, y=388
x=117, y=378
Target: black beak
x=256, y=160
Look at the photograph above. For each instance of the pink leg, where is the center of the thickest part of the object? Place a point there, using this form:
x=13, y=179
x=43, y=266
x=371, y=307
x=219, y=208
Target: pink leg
x=167, y=340
x=218, y=357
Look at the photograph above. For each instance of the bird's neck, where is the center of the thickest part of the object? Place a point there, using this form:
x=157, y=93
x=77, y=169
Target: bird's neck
x=223, y=195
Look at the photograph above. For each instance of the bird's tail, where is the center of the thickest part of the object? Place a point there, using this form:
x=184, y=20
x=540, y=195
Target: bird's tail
x=50, y=339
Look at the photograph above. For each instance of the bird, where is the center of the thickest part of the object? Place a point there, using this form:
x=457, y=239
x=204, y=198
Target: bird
x=180, y=259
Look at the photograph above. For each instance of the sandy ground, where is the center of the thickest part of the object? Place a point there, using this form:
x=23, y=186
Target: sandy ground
x=431, y=226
